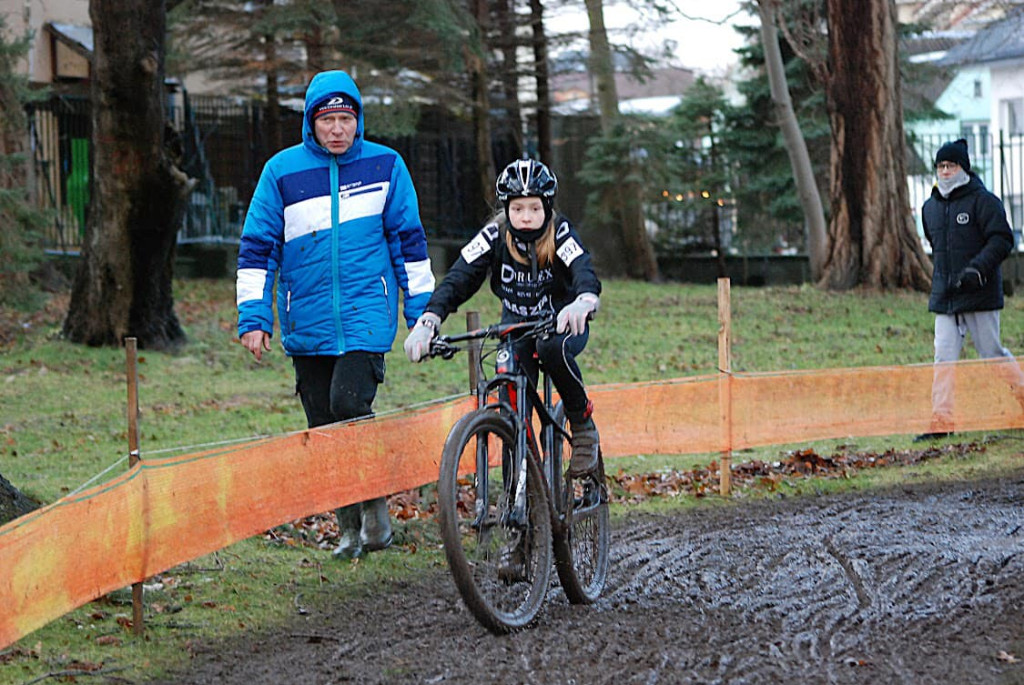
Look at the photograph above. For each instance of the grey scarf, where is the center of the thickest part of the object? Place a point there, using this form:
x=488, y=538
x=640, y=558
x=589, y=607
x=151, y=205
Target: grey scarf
x=948, y=185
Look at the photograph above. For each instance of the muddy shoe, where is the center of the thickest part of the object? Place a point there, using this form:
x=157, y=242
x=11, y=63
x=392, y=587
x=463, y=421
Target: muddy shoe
x=941, y=427
x=375, y=533
x=512, y=563
x=930, y=437
x=350, y=547
x=584, y=452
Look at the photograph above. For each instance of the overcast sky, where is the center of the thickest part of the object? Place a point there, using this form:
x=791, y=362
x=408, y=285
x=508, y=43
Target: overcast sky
x=704, y=42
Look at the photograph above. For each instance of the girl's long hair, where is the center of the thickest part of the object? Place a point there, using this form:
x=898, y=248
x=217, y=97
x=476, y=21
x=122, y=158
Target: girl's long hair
x=545, y=243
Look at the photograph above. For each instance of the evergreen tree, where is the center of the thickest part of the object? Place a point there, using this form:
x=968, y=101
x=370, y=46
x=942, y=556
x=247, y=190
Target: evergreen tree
x=400, y=51
x=706, y=172
x=769, y=214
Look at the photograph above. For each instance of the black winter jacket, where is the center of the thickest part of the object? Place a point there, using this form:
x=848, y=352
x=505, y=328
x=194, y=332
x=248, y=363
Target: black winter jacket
x=968, y=228
x=521, y=296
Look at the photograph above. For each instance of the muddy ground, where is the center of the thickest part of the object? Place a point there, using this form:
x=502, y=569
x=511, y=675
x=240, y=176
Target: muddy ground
x=918, y=584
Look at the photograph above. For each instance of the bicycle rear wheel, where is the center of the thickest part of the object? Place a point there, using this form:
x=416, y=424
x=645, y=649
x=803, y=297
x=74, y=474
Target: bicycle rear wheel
x=582, y=532
x=501, y=568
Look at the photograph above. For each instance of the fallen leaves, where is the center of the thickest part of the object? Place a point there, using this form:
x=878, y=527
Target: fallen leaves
x=635, y=487
x=321, y=530
x=12, y=655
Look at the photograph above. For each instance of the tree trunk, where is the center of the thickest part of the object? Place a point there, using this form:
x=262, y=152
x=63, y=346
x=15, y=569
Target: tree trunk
x=627, y=204
x=509, y=48
x=796, y=146
x=12, y=502
x=602, y=67
x=540, y=60
x=123, y=284
x=873, y=239
x=314, y=52
x=477, y=65
x=273, y=120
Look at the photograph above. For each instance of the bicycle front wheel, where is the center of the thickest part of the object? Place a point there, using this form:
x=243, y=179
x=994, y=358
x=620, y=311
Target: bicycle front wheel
x=499, y=556
x=582, y=527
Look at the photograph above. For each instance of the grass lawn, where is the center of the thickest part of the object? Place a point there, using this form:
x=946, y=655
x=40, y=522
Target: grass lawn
x=62, y=424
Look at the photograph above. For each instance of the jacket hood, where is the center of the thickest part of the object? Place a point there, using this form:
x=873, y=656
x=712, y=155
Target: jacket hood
x=323, y=85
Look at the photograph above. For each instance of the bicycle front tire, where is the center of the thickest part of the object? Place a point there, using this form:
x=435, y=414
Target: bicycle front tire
x=501, y=570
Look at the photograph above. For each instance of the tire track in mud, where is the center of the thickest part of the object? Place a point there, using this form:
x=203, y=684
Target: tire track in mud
x=844, y=584
x=918, y=584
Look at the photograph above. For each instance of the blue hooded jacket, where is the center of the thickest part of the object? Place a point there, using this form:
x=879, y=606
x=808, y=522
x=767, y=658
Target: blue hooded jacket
x=342, y=233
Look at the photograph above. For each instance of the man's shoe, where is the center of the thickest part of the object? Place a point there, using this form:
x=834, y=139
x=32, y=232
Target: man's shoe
x=584, y=452
x=929, y=437
x=375, y=533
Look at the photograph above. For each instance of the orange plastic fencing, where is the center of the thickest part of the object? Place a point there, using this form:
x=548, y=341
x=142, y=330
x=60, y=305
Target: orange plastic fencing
x=164, y=512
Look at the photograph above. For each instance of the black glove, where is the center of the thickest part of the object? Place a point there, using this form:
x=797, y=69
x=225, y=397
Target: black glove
x=969, y=280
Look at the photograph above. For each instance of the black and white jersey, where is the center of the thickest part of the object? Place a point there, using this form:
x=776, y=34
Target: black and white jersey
x=521, y=294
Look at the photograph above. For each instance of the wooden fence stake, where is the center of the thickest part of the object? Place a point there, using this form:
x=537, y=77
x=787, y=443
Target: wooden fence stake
x=132, y=372
x=725, y=385
x=473, y=323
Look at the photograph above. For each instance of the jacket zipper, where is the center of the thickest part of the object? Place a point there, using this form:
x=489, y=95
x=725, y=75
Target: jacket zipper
x=335, y=243
x=384, y=284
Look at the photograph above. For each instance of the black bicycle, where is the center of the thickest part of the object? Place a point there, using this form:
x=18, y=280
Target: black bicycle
x=507, y=504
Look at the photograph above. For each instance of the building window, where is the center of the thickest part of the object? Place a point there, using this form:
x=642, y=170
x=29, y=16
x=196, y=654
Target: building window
x=1012, y=115
x=977, y=87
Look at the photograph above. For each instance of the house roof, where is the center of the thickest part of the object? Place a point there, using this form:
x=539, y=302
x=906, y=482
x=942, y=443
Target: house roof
x=78, y=38
x=931, y=45
x=1002, y=39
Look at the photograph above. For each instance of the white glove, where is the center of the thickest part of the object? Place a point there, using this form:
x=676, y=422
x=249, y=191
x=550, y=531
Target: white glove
x=575, y=314
x=417, y=345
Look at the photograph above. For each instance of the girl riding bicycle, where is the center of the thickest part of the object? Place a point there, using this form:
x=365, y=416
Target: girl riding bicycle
x=537, y=264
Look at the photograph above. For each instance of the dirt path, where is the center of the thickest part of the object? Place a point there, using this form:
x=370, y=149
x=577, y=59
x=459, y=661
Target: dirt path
x=919, y=584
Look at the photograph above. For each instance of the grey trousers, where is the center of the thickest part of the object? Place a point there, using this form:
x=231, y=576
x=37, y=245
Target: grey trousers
x=950, y=332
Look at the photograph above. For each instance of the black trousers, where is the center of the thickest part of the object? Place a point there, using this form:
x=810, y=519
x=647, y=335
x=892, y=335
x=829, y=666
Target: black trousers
x=558, y=356
x=338, y=388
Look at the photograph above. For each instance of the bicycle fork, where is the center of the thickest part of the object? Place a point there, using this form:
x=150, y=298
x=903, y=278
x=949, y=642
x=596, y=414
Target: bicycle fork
x=513, y=397
x=517, y=513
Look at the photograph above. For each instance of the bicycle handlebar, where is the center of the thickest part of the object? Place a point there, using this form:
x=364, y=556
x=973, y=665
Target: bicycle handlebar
x=444, y=345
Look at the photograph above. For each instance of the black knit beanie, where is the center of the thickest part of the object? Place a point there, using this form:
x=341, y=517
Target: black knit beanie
x=955, y=151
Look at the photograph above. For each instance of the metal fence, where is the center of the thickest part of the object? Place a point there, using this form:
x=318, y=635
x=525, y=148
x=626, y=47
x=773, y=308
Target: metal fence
x=59, y=136
x=221, y=144
x=997, y=158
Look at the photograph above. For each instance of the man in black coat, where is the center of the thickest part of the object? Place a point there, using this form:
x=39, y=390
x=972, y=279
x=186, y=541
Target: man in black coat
x=970, y=237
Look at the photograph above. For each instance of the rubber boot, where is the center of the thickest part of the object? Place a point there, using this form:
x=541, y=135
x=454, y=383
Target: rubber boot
x=376, y=525
x=350, y=546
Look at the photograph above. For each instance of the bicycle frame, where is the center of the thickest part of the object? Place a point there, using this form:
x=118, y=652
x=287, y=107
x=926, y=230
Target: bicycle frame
x=508, y=392
x=535, y=517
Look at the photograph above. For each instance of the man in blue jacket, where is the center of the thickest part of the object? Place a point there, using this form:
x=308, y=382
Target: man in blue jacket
x=336, y=218
x=970, y=237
